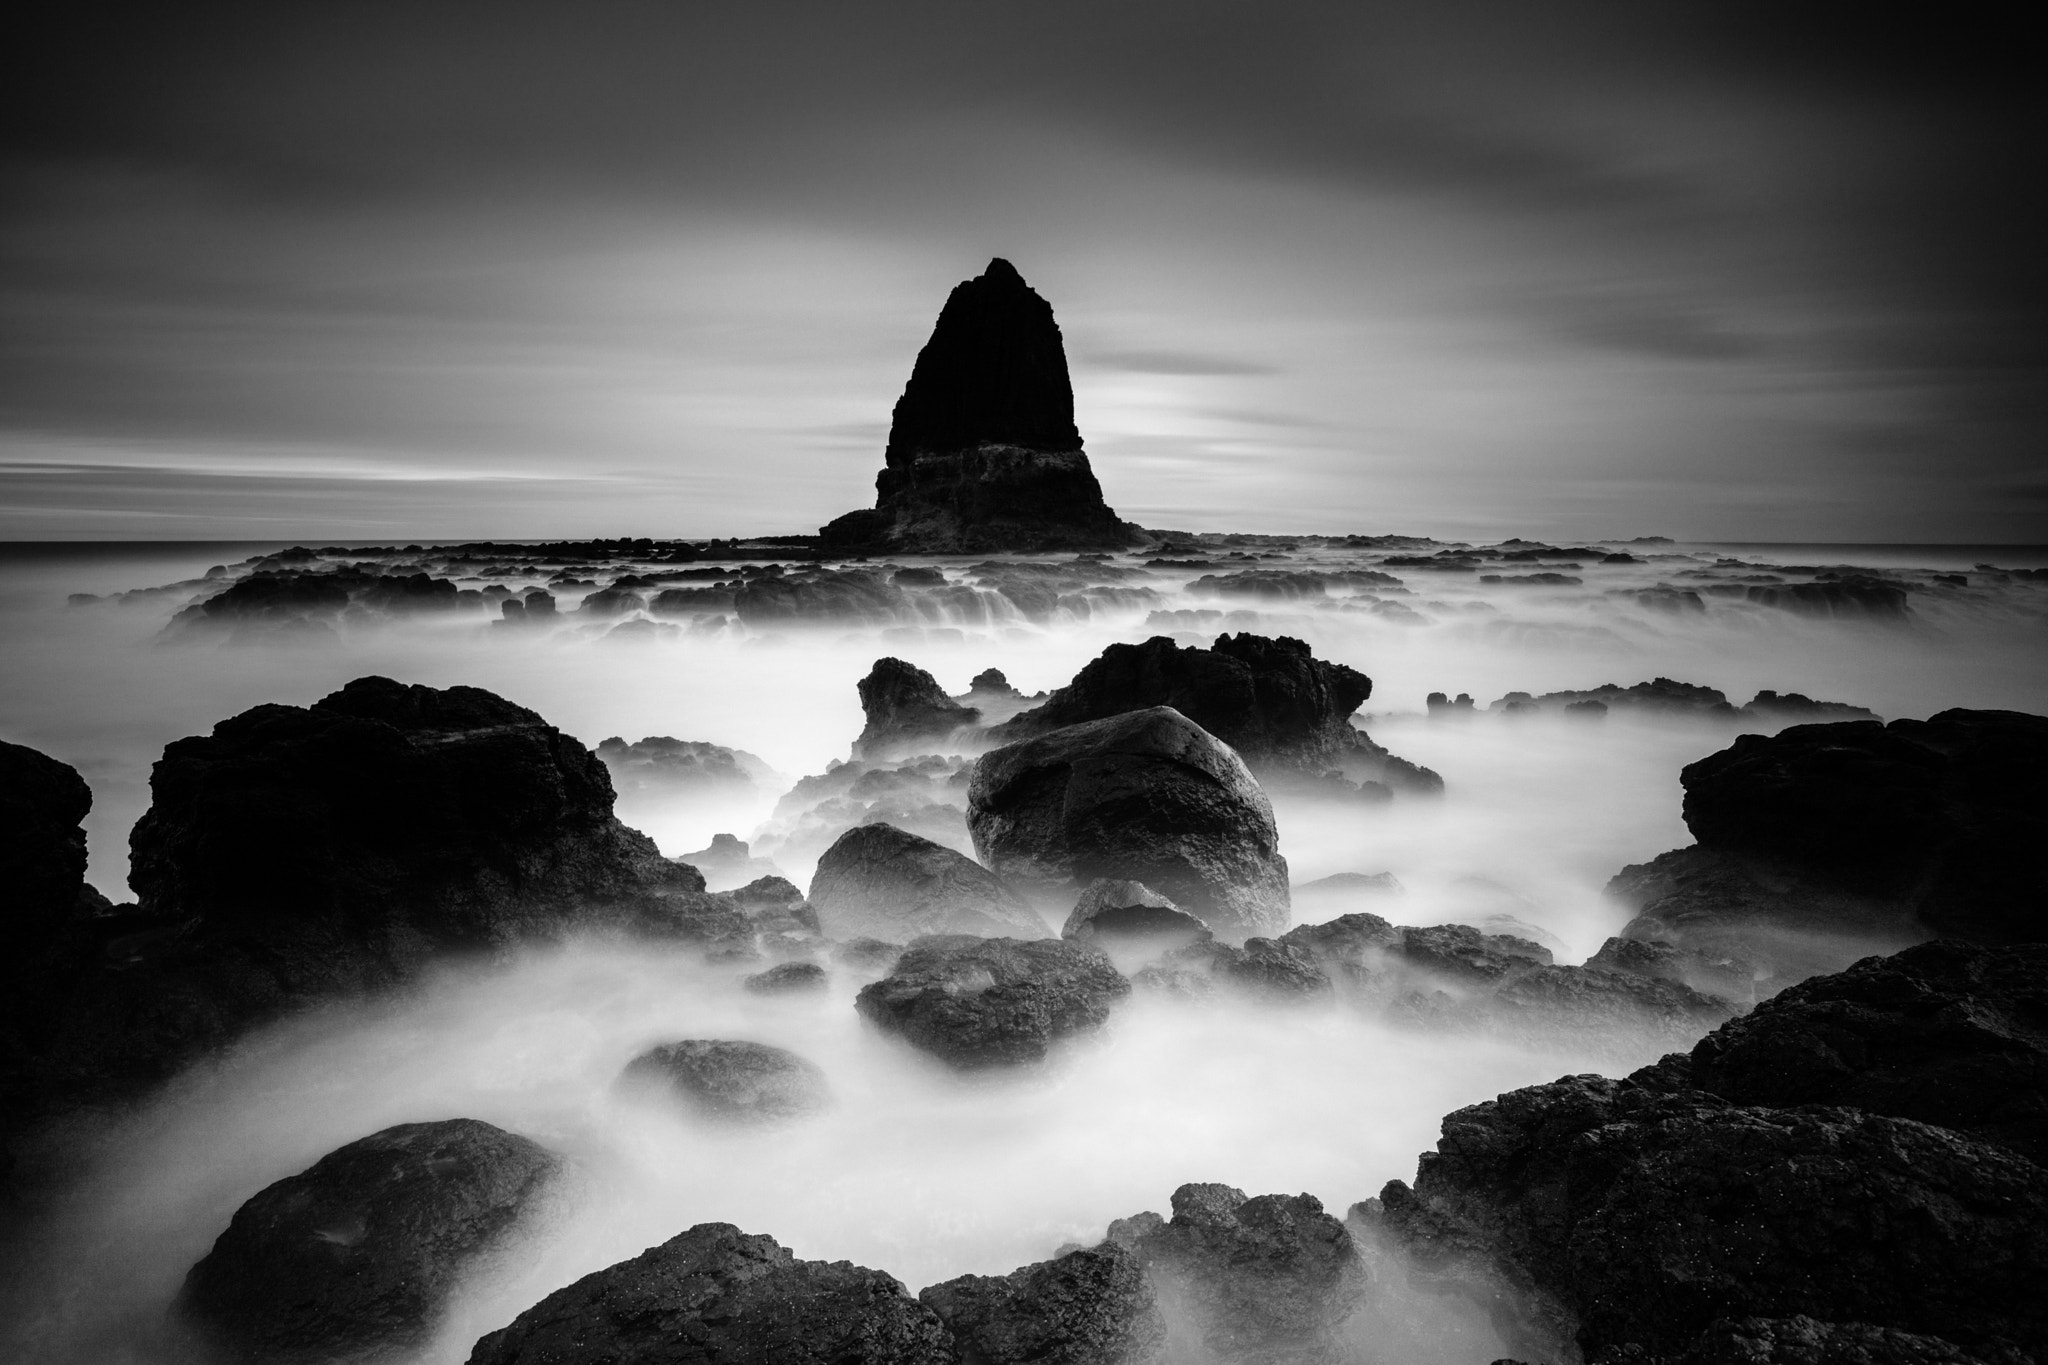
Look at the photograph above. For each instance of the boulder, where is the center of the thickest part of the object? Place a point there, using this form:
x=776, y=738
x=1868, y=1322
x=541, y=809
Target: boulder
x=1088, y=1307
x=978, y=1002
x=356, y=1255
x=983, y=453
x=880, y=881
x=1126, y=910
x=1146, y=796
x=907, y=712
x=1733, y=978
x=731, y=1082
x=716, y=1294
x=1285, y=712
x=789, y=978
x=1265, y=1279
x=1263, y=967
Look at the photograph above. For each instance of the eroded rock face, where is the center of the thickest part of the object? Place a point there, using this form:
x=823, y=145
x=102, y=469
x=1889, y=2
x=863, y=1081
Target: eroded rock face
x=1125, y=910
x=716, y=1294
x=727, y=1081
x=1146, y=796
x=1265, y=1279
x=1285, y=712
x=983, y=453
x=978, y=1002
x=882, y=882
x=1090, y=1307
x=357, y=1253
x=907, y=712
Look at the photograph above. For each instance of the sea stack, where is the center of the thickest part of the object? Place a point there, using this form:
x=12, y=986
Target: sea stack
x=983, y=452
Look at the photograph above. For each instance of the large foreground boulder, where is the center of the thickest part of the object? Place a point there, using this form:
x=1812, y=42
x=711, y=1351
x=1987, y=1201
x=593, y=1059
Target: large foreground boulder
x=882, y=882
x=1088, y=1307
x=983, y=453
x=357, y=1254
x=717, y=1296
x=1147, y=796
x=1285, y=712
x=727, y=1081
x=978, y=1002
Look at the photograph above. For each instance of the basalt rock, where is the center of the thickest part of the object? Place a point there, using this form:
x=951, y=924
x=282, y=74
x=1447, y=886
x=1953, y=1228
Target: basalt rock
x=884, y=882
x=732, y=1082
x=907, y=712
x=1286, y=712
x=1146, y=796
x=357, y=1254
x=978, y=1002
x=1088, y=1307
x=983, y=453
x=716, y=1294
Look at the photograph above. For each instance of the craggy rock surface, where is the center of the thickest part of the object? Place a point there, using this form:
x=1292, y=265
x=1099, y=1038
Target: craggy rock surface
x=360, y=1250
x=1640, y=1213
x=1147, y=796
x=907, y=712
x=983, y=453
x=978, y=1002
x=715, y=1294
x=1286, y=712
x=883, y=882
x=1887, y=832
x=1111, y=909
x=788, y=978
x=732, y=1082
x=1800, y=1340
x=1090, y=1307
x=1265, y=1279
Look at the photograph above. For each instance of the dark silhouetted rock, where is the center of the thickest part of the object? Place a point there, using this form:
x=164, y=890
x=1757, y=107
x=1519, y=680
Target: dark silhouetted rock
x=907, y=712
x=1125, y=910
x=716, y=1296
x=1283, y=710
x=1265, y=1279
x=1851, y=598
x=983, y=453
x=1796, y=708
x=1802, y=1340
x=1089, y=1307
x=43, y=804
x=978, y=1002
x=1147, y=796
x=357, y=1254
x=789, y=978
x=1657, y=697
x=732, y=1082
x=885, y=882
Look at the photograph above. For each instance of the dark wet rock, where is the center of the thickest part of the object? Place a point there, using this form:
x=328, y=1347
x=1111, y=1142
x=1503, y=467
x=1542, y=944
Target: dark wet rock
x=907, y=712
x=1947, y=1033
x=1800, y=1340
x=1533, y=580
x=846, y=596
x=1669, y=600
x=983, y=453
x=1854, y=597
x=1441, y=707
x=1592, y=1007
x=789, y=978
x=872, y=956
x=659, y=765
x=1352, y=947
x=732, y=1082
x=1266, y=585
x=43, y=804
x=716, y=1294
x=1146, y=796
x=1731, y=978
x=1796, y=708
x=1088, y=1307
x=1657, y=697
x=357, y=1254
x=1125, y=910
x=612, y=602
x=1270, y=1278
x=1272, y=969
x=1286, y=712
x=978, y=1002
x=1461, y=951
x=883, y=881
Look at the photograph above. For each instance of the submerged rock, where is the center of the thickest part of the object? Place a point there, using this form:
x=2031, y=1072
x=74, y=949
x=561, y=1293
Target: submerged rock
x=983, y=453
x=357, y=1254
x=978, y=1002
x=732, y=1082
x=1088, y=1307
x=716, y=1294
x=880, y=881
x=1146, y=796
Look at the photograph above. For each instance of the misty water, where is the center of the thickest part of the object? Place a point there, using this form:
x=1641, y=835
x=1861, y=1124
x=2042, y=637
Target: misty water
x=915, y=1169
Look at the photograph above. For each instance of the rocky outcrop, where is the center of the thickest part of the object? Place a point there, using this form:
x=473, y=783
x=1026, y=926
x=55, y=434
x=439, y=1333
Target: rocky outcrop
x=43, y=804
x=978, y=1002
x=1777, y=1172
x=1285, y=712
x=883, y=882
x=1859, y=831
x=1088, y=1307
x=1146, y=796
x=715, y=1293
x=659, y=765
x=907, y=712
x=731, y=1082
x=356, y=1255
x=1265, y=1279
x=983, y=453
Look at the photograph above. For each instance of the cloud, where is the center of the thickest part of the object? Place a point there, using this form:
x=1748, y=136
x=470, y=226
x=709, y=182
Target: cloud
x=1172, y=362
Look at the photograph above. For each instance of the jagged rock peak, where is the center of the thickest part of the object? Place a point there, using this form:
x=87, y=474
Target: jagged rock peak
x=995, y=371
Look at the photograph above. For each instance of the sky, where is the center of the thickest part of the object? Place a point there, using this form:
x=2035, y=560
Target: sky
x=364, y=271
